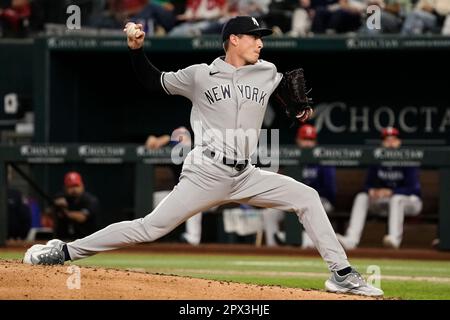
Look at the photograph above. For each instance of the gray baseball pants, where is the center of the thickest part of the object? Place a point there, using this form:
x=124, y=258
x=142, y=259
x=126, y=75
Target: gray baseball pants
x=212, y=183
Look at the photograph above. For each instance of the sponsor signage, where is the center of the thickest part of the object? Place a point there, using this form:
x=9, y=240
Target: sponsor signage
x=399, y=157
x=102, y=154
x=155, y=156
x=43, y=154
x=338, y=156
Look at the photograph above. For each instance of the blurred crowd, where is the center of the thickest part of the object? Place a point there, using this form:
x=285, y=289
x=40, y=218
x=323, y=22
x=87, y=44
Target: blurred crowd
x=297, y=18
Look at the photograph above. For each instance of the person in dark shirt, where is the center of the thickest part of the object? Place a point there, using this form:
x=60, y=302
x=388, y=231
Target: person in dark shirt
x=319, y=177
x=75, y=209
x=391, y=191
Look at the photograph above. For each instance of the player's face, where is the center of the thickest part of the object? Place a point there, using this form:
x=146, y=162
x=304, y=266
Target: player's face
x=306, y=143
x=74, y=191
x=249, y=48
x=392, y=142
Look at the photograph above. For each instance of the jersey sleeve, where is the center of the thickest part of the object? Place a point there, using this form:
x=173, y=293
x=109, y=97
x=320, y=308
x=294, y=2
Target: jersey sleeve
x=277, y=80
x=181, y=82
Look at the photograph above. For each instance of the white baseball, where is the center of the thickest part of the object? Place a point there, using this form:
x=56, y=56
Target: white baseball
x=132, y=30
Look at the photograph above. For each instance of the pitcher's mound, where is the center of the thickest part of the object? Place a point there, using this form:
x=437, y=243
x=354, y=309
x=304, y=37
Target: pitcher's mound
x=20, y=281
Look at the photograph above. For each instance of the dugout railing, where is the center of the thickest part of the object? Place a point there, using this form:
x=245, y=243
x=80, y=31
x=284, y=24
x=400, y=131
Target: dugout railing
x=290, y=157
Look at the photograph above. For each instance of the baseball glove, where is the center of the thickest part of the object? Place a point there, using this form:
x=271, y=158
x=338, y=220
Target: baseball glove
x=292, y=95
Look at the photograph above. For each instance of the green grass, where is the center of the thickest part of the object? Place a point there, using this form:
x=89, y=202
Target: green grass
x=399, y=277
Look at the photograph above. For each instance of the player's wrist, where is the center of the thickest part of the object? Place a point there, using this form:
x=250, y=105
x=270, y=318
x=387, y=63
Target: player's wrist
x=135, y=50
x=135, y=47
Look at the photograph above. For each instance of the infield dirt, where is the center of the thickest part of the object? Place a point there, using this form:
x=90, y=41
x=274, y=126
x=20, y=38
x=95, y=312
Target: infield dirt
x=20, y=281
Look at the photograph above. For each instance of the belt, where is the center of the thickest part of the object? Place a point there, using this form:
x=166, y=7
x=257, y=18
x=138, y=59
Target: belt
x=238, y=165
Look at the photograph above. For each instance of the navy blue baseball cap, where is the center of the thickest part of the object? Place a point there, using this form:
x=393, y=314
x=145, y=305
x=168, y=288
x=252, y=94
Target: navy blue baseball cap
x=243, y=25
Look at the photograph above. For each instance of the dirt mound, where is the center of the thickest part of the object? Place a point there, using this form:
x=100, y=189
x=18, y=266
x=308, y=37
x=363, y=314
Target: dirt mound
x=20, y=281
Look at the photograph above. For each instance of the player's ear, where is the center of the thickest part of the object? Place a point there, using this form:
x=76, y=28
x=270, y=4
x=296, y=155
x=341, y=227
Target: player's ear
x=233, y=40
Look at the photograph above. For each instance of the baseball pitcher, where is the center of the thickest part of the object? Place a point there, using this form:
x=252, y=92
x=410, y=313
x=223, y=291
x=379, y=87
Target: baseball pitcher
x=230, y=94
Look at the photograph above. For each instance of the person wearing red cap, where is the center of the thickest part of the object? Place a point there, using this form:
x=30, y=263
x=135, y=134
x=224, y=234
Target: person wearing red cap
x=390, y=136
x=321, y=178
x=391, y=191
x=75, y=209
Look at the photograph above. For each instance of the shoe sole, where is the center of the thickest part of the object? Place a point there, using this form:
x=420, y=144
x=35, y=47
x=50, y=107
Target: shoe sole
x=332, y=287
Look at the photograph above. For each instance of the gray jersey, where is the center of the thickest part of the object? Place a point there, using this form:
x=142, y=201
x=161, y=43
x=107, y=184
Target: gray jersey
x=228, y=103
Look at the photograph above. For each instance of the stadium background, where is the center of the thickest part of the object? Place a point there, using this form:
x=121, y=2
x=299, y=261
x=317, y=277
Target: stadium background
x=82, y=90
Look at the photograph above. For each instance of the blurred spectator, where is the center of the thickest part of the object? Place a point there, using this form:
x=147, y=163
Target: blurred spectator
x=321, y=178
x=427, y=17
x=301, y=19
x=392, y=15
x=280, y=14
x=304, y=14
x=177, y=6
x=19, y=213
x=391, y=191
x=155, y=18
x=201, y=17
x=338, y=16
x=113, y=17
x=151, y=15
x=181, y=135
x=254, y=8
x=15, y=18
x=75, y=210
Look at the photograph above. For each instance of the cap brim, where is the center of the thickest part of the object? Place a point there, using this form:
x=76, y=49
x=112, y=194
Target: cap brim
x=262, y=32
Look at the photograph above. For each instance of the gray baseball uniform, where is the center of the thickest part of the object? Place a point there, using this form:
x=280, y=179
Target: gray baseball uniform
x=223, y=98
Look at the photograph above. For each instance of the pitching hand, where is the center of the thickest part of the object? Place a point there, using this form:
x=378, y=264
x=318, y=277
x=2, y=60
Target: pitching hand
x=135, y=35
